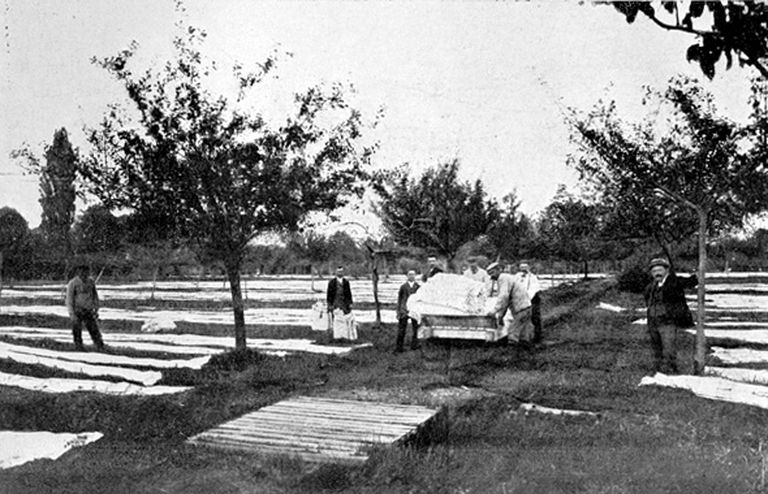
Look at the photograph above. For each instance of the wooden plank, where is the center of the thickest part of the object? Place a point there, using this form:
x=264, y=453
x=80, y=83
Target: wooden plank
x=350, y=407
x=255, y=440
x=318, y=429
x=335, y=426
x=360, y=415
x=266, y=449
x=362, y=403
x=330, y=435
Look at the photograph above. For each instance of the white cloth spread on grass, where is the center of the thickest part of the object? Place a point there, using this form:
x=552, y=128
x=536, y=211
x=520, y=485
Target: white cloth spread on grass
x=156, y=325
x=754, y=376
x=746, y=335
x=262, y=315
x=185, y=343
x=610, y=307
x=21, y=447
x=108, y=359
x=713, y=388
x=448, y=295
x=740, y=355
x=146, y=378
x=531, y=407
x=59, y=385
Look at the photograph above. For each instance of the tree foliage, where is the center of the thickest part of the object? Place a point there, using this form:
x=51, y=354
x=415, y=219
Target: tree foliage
x=97, y=230
x=213, y=170
x=437, y=211
x=732, y=28
x=693, y=159
x=571, y=228
x=512, y=235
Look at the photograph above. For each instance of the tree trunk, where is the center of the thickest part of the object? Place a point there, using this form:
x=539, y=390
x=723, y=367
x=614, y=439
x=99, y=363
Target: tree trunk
x=233, y=273
x=701, y=342
x=154, y=282
x=586, y=270
x=375, y=279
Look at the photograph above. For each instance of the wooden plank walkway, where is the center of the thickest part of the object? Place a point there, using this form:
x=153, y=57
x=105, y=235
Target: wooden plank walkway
x=318, y=429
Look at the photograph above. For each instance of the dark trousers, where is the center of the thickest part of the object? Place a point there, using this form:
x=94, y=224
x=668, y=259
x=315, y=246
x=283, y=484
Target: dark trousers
x=664, y=345
x=402, y=324
x=536, y=317
x=88, y=318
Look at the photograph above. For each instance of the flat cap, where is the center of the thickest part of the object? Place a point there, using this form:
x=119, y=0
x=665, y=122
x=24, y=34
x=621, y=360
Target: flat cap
x=659, y=261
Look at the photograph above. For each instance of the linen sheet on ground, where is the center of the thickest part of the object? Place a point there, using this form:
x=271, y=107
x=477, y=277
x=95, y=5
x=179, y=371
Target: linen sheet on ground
x=713, y=388
x=22, y=447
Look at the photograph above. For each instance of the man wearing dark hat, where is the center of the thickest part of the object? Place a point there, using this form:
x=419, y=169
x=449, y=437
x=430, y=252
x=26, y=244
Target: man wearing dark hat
x=667, y=313
x=406, y=290
x=510, y=296
x=83, y=306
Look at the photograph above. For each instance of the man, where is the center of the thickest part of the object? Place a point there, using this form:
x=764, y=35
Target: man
x=530, y=282
x=339, y=301
x=510, y=296
x=406, y=290
x=667, y=312
x=83, y=305
x=433, y=267
x=475, y=272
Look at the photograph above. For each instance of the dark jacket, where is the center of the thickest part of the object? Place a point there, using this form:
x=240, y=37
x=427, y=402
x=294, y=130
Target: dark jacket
x=667, y=305
x=346, y=295
x=402, y=298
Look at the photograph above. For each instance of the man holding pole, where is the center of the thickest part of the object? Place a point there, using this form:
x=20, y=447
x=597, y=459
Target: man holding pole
x=667, y=313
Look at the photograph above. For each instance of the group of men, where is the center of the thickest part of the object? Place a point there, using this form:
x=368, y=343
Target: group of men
x=517, y=295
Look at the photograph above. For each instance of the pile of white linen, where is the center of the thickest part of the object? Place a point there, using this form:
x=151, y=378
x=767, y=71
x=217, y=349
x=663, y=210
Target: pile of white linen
x=449, y=295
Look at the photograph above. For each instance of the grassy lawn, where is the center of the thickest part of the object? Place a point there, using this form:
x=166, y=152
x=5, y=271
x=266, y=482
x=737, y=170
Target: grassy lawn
x=644, y=439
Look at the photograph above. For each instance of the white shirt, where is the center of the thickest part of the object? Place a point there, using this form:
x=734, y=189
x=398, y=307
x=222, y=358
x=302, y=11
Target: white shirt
x=480, y=275
x=530, y=282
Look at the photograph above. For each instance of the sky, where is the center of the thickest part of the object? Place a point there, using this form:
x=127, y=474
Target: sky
x=481, y=81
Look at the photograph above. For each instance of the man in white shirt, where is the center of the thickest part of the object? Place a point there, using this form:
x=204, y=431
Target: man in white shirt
x=532, y=286
x=510, y=295
x=475, y=272
x=82, y=302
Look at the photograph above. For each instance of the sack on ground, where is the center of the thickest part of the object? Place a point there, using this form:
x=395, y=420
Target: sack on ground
x=319, y=317
x=344, y=326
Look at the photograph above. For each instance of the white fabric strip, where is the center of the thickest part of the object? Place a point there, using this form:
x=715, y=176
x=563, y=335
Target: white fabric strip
x=146, y=378
x=713, y=388
x=22, y=447
x=59, y=385
x=108, y=359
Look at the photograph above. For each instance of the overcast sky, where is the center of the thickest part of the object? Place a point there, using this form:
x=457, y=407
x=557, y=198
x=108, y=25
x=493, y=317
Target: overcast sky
x=480, y=81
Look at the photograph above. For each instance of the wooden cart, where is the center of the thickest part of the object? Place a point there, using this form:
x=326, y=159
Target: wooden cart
x=461, y=327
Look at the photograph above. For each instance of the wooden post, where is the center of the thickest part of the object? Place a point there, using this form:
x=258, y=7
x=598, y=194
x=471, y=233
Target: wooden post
x=701, y=341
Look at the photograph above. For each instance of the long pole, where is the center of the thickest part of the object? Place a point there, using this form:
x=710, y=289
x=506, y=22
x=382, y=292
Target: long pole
x=701, y=342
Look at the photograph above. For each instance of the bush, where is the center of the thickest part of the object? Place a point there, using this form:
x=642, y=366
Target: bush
x=634, y=278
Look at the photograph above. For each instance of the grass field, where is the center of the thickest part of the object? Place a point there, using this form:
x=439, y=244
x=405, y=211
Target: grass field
x=645, y=439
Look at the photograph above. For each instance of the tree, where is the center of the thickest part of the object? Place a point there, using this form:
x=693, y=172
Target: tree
x=512, y=235
x=214, y=170
x=571, y=228
x=733, y=27
x=436, y=211
x=13, y=232
x=57, y=191
x=97, y=230
x=694, y=159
